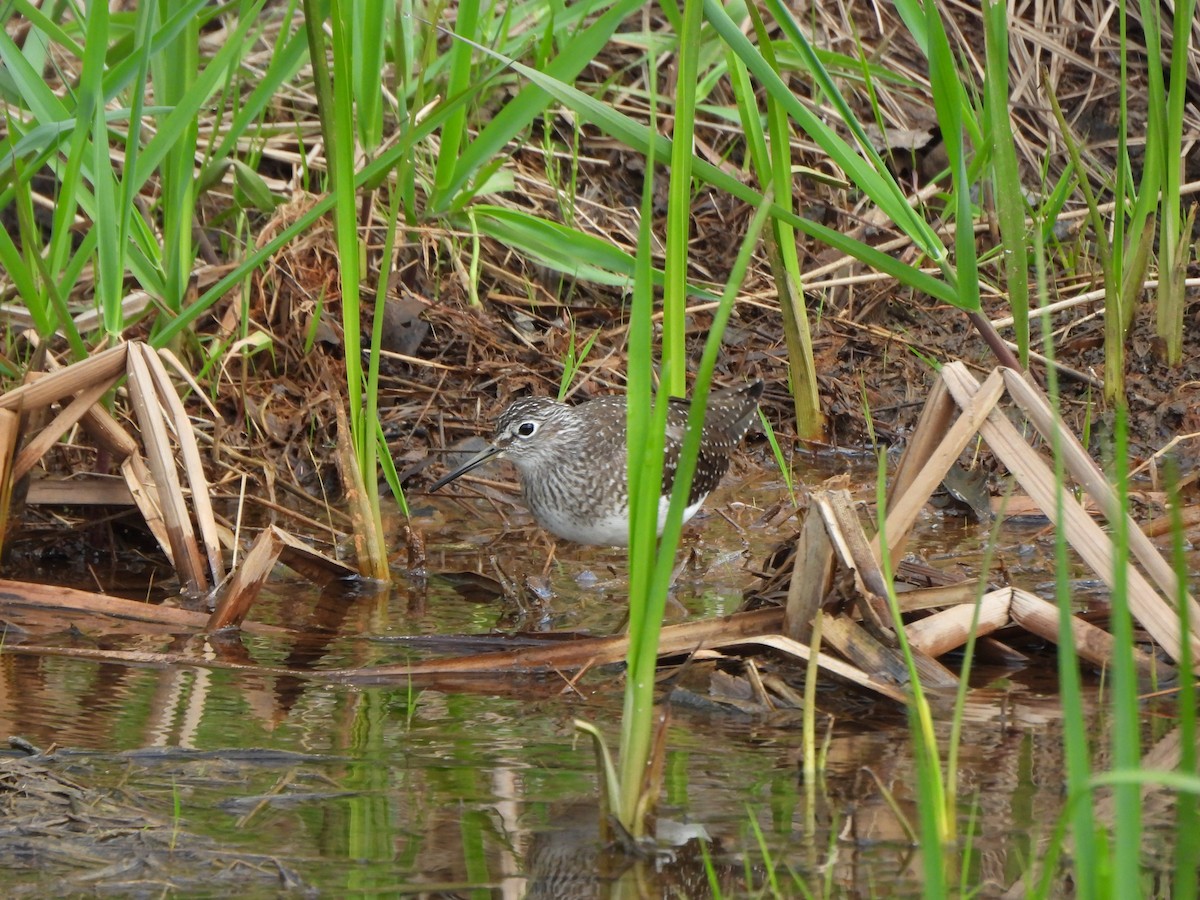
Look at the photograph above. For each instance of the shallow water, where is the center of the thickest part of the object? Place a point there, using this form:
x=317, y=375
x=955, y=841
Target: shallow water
x=306, y=787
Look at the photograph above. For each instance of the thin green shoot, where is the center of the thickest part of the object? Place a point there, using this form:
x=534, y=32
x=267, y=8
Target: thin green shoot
x=773, y=162
x=176, y=816
x=679, y=200
x=1114, y=345
x=1006, y=191
x=645, y=479
x=575, y=357
x=610, y=783
x=936, y=806
x=781, y=462
x=958, y=718
x=371, y=414
x=710, y=872
x=1126, y=723
x=765, y=851
x=388, y=465
x=412, y=702
x=474, y=258
x=1075, y=727
x=808, y=723
x=645, y=621
x=467, y=25
x=868, y=419
x=1187, y=806
x=964, y=866
x=314, y=322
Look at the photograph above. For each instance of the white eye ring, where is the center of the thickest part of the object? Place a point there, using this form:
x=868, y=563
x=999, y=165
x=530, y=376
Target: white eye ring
x=527, y=429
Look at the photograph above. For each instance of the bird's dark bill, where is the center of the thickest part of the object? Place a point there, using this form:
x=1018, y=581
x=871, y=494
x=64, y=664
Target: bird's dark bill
x=477, y=460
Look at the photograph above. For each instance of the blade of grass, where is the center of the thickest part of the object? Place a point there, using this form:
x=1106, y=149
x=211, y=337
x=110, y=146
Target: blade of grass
x=515, y=116
x=638, y=137
x=644, y=468
x=1075, y=728
x=949, y=102
x=679, y=200
x=368, y=36
x=340, y=126
x=870, y=174
x=174, y=73
x=935, y=806
x=1187, y=805
x=1126, y=725
x=1006, y=177
x=466, y=24
x=371, y=415
x=563, y=248
x=644, y=643
x=285, y=62
x=114, y=314
x=774, y=166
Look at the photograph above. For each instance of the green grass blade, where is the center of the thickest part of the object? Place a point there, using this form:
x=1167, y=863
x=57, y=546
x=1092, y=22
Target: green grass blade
x=110, y=266
x=466, y=24
x=1075, y=725
x=1126, y=720
x=1006, y=177
x=949, y=101
x=284, y=65
x=114, y=316
x=937, y=821
x=679, y=202
x=369, y=24
x=872, y=174
x=20, y=274
x=1187, y=805
x=371, y=415
x=174, y=74
x=644, y=466
x=189, y=103
x=54, y=33
x=638, y=137
x=511, y=120
x=775, y=169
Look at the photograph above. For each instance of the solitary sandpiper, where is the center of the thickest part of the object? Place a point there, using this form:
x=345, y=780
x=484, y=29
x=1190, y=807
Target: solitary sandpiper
x=571, y=459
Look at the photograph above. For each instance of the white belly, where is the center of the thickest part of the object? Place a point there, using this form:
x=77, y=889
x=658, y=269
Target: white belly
x=608, y=530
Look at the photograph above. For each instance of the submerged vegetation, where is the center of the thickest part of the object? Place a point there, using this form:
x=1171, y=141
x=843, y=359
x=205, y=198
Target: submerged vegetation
x=351, y=264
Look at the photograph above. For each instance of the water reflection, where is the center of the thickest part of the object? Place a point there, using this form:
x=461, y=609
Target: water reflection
x=481, y=788
x=388, y=788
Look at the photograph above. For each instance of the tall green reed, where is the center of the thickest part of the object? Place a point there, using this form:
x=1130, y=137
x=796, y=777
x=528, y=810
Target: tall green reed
x=174, y=71
x=651, y=563
x=651, y=559
x=1187, y=816
x=772, y=162
x=1007, y=190
x=76, y=137
x=935, y=805
x=1075, y=727
x=679, y=203
x=337, y=106
x=1164, y=146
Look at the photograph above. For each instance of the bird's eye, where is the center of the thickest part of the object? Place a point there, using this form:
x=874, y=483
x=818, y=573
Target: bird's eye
x=526, y=429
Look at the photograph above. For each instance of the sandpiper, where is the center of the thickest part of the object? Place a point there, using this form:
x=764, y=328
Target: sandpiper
x=571, y=459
